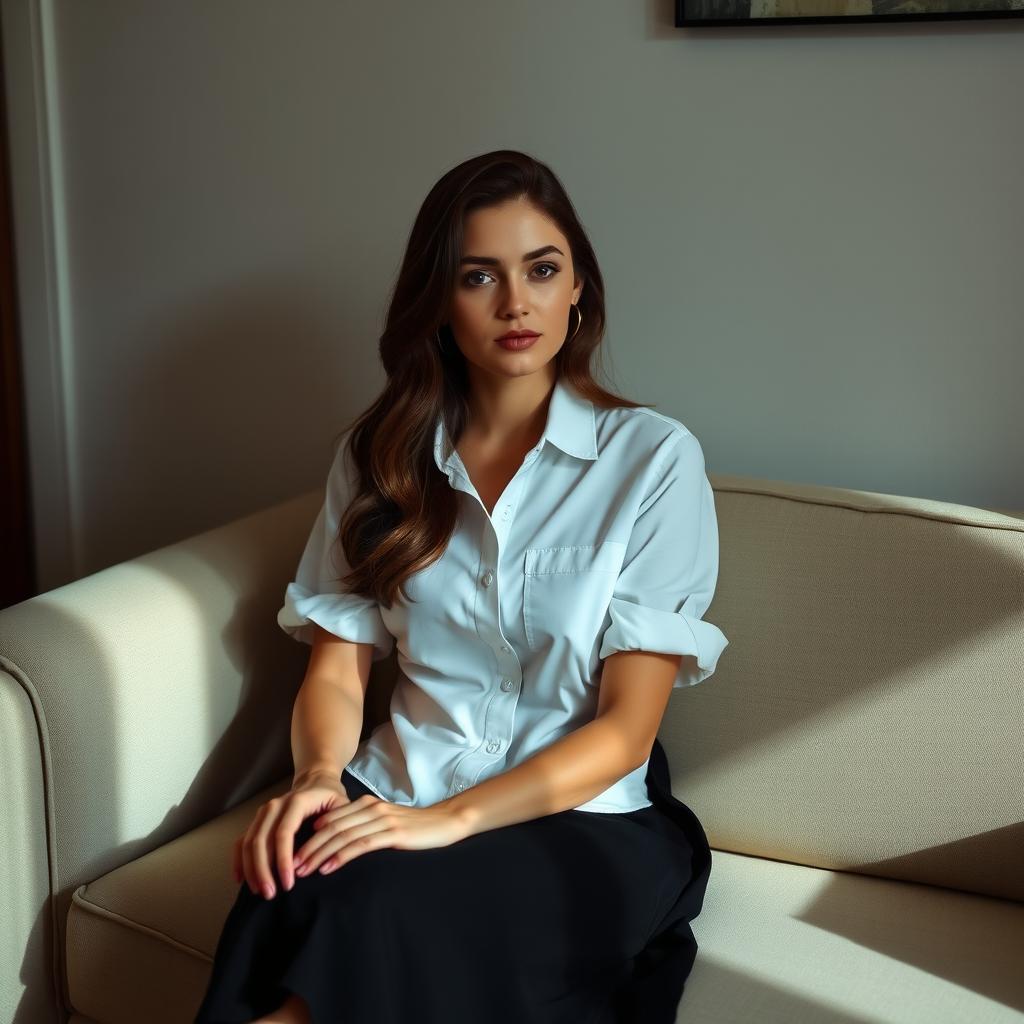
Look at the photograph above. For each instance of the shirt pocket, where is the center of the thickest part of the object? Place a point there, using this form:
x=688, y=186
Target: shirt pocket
x=566, y=592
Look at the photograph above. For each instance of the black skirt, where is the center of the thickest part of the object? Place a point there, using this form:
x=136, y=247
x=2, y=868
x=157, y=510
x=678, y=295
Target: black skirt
x=571, y=918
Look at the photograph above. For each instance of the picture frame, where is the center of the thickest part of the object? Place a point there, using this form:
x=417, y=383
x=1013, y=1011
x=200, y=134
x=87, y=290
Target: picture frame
x=701, y=13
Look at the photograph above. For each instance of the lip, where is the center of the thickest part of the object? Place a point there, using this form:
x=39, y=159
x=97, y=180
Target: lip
x=518, y=334
x=517, y=341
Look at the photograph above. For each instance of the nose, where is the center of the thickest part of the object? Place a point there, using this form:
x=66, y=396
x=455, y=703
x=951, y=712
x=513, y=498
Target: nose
x=514, y=304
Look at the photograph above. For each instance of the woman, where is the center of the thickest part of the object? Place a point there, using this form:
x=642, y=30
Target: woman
x=506, y=847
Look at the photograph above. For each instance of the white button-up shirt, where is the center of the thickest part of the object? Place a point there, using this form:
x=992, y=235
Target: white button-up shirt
x=604, y=540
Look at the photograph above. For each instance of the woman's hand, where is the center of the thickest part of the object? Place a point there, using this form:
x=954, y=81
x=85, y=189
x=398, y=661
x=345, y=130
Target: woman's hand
x=368, y=823
x=272, y=832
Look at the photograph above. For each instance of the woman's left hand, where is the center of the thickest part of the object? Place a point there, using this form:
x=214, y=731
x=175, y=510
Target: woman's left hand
x=369, y=823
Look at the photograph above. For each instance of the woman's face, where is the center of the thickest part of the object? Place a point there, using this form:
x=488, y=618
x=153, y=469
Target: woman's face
x=513, y=293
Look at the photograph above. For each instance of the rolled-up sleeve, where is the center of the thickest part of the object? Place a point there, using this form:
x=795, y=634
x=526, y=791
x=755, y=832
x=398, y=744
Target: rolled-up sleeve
x=316, y=594
x=670, y=569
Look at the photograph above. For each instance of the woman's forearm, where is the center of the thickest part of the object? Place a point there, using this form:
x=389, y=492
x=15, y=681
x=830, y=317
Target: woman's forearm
x=326, y=723
x=571, y=771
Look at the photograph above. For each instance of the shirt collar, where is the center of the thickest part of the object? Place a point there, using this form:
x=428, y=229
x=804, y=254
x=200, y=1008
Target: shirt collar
x=571, y=426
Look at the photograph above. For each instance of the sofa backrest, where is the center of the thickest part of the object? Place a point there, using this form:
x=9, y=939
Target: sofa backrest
x=868, y=713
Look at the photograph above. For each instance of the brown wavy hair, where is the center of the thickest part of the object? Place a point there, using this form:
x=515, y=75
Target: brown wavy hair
x=403, y=510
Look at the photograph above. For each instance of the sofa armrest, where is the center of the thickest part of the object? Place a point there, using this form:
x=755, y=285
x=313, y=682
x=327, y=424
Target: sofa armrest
x=137, y=703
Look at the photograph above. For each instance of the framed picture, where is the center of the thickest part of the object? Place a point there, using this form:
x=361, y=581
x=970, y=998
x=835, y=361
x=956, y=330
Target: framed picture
x=791, y=12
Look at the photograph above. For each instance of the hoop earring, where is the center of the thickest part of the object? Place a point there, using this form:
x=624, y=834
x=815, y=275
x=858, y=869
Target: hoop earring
x=579, y=321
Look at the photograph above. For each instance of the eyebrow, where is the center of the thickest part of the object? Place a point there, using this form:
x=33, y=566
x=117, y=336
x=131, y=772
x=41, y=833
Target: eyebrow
x=490, y=261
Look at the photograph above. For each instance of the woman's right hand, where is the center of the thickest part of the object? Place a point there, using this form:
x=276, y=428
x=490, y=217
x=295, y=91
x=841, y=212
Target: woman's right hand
x=272, y=832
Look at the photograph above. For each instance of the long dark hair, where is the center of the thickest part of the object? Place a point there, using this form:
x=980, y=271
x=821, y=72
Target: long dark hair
x=403, y=510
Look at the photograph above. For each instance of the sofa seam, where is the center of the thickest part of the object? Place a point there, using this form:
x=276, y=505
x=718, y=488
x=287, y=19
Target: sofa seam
x=89, y=907
x=58, y=962
x=850, y=506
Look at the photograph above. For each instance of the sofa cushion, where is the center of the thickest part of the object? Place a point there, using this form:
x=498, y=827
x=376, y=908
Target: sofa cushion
x=140, y=939
x=778, y=941
x=782, y=942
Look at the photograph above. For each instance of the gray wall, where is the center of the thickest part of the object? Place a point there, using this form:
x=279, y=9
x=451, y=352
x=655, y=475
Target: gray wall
x=811, y=236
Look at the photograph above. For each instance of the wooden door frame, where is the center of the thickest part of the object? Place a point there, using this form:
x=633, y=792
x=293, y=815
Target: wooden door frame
x=41, y=542
x=18, y=573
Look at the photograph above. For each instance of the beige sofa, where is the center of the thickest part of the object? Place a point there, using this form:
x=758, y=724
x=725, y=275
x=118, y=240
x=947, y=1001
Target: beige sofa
x=856, y=760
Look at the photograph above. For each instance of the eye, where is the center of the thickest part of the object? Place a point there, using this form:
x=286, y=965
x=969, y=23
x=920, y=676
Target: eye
x=468, y=278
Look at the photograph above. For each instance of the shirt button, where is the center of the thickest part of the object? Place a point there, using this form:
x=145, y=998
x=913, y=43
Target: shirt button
x=505, y=647
x=493, y=745
x=460, y=786
x=506, y=684
x=487, y=578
